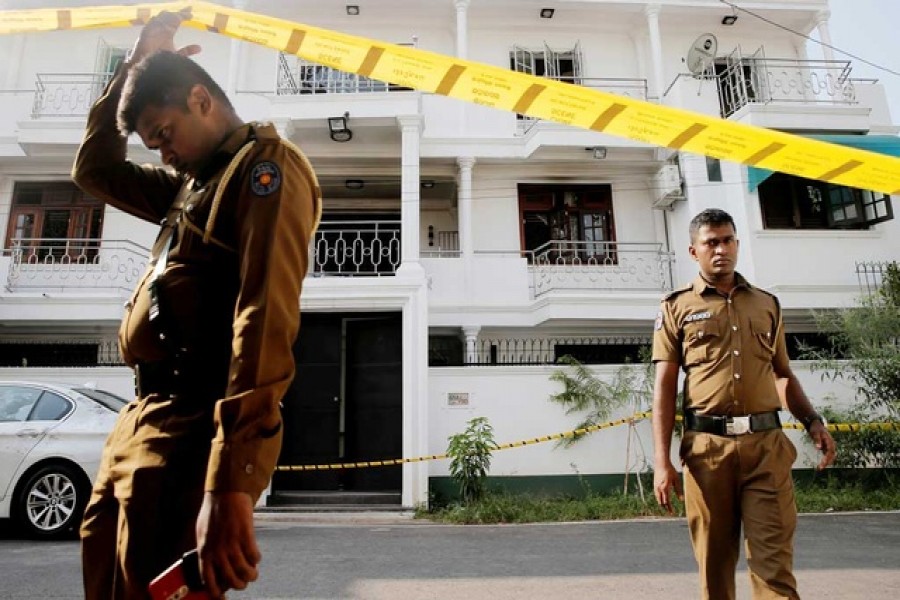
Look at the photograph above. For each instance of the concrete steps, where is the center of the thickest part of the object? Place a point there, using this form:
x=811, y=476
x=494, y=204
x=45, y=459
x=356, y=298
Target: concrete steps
x=334, y=501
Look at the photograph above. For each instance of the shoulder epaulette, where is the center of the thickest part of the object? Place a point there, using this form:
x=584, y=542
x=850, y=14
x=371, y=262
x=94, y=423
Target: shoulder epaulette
x=678, y=291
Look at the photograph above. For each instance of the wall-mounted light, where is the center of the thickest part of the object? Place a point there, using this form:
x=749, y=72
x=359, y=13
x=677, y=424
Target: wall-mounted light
x=547, y=13
x=729, y=19
x=338, y=130
x=598, y=152
x=428, y=184
x=354, y=184
x=352, y=9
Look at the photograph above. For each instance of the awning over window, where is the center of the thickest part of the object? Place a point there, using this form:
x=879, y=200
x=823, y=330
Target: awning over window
x=882, y=144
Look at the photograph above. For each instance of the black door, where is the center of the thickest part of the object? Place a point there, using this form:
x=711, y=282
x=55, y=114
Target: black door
x=311, y=407
x=374, y=419
x=345, y=403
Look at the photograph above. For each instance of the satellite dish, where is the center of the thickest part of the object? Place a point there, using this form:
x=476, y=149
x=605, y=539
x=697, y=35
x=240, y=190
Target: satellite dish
x=702, y=54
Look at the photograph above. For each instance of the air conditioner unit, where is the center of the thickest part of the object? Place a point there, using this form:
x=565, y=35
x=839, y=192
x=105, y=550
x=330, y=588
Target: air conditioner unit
x=666, y=187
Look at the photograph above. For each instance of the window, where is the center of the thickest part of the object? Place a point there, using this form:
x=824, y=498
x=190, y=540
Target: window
x=16, y=402
x=50, y=408
x=789, y=202
x=568, y=223
x=564, y=65
x=713, y=169
x=52, y=219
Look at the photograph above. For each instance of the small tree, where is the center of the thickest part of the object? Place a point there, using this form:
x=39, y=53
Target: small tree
x=585, y=393
x=865, y=350
x=470, y=458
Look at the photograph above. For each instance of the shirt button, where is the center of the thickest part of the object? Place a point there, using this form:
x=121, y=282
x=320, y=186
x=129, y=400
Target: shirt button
x=729, y=301
x=734, y=327
x=700, y=334
x=248, y=469
x=737, y=375
x=737, y=352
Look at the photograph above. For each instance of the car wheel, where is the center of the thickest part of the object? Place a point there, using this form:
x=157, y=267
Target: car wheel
x=52, y=501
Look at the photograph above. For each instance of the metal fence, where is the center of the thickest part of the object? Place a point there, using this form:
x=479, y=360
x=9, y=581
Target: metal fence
x=547, y=351
x=60, y=353
x=298, y=77
x=870, y=275
x=355, y=248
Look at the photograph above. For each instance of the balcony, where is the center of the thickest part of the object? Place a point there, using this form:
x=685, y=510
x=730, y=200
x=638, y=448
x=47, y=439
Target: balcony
x=561, y=265
x=760, y=81
x=355, y=248
x=300, y=77
x=66, y=94
x=83, y=264
x=629, y=88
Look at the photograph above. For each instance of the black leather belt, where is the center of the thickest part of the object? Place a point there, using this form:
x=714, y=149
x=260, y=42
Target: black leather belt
x=727, y=425
x=161, y=378
x=170, y=379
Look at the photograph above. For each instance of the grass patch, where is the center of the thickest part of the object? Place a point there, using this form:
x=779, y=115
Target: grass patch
x=498, y=507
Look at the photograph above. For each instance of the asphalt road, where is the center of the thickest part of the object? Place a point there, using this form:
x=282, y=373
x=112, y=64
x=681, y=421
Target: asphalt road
x=377, y=557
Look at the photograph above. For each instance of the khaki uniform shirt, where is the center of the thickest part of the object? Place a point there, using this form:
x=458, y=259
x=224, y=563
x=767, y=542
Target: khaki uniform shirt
x=231, y=304
x=729, y=346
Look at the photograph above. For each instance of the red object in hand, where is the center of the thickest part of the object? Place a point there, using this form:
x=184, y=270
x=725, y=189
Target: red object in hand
x=181, y=581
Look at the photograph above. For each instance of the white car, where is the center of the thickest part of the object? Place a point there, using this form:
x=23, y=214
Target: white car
x=51, y=439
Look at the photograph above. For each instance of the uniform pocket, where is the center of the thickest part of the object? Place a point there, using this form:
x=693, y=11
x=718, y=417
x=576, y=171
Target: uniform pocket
x=763, y=338
x=702, y=341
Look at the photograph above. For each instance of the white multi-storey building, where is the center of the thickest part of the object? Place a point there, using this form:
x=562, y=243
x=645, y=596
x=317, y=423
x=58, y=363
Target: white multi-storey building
x=463, y=249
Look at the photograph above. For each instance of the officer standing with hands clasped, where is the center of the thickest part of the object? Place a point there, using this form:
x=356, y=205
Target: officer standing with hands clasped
x=209, y=328
x=728, y=336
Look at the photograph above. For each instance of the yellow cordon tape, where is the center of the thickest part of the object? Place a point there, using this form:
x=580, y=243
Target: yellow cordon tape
x=842, y=427
x=503, y=89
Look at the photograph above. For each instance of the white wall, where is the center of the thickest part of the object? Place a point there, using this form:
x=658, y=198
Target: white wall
x=516, y=403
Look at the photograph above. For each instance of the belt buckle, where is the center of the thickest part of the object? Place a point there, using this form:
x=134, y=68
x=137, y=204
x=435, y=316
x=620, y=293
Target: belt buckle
x=737, y=425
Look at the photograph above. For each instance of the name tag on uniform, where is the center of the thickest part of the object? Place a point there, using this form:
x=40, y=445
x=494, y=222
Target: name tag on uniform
x=698, y=317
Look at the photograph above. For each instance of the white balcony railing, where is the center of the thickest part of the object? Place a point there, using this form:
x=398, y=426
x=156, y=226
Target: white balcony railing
x=297, y=76
x=629, y=88
x=756, y=80
x=609, y=266
x=66, y=94
x=342, y=249
x=84, y=264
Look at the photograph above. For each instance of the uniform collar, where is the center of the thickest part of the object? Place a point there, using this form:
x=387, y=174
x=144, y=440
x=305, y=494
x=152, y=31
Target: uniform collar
x=226, y=151
x=700, y=285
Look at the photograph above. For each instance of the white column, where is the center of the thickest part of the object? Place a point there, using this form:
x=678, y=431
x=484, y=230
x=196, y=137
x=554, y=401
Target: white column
x=657, y=85
x=415, y=396
x=471, y=352
x=464, y=198
x=462, y=27
x=824, y=33
x=411, y=131
x=15, y=60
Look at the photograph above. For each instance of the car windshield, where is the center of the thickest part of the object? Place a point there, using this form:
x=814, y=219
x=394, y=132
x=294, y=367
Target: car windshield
x=110, y=401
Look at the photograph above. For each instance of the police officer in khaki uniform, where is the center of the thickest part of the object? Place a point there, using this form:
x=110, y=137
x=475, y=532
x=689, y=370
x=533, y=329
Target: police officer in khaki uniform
x=209, y=328
x=728, y=336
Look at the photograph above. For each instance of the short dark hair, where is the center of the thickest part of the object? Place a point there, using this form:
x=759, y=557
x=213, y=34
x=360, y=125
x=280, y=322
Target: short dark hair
x=162, y=79
x=710, y=216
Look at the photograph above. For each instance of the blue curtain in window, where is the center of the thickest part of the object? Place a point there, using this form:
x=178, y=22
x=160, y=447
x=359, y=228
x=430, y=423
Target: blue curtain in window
x=882, y=144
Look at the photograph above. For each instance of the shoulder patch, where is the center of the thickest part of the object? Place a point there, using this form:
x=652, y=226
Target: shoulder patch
x=265, y=178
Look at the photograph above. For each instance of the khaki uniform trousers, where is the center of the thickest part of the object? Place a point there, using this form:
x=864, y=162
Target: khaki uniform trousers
x=144, y=505
x=730, y=480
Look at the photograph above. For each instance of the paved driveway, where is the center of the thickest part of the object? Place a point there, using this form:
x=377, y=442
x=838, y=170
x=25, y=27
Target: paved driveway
x=840, y=556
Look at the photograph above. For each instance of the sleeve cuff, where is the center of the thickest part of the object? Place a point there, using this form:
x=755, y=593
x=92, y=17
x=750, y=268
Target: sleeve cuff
x=242, y=467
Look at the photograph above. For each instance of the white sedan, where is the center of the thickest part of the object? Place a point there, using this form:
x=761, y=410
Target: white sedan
x=51, y=439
